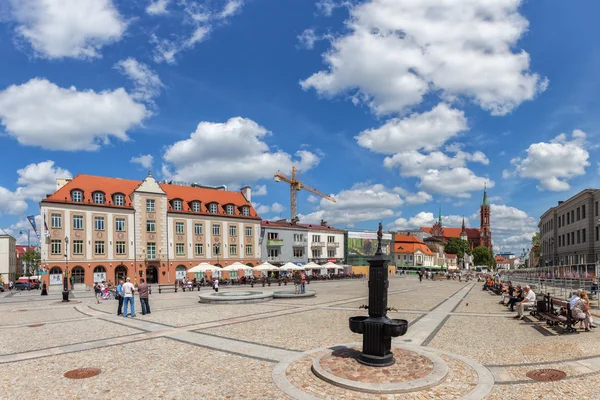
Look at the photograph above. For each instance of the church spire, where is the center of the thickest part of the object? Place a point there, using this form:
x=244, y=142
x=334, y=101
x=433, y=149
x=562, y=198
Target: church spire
x=463, y=225
x=440, y=217
x=485, y=199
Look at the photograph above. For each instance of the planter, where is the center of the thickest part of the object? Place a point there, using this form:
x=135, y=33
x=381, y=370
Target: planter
x=395, y=328
x=357, y=324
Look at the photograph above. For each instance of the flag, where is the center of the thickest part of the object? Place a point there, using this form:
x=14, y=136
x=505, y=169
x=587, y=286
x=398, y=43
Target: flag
x=31, y=219
x=46, y=227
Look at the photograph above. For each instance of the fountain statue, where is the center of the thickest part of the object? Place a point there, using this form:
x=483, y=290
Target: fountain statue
x=377, y=329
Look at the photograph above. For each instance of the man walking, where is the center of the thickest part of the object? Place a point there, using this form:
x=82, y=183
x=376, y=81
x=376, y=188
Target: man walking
x=128, y=290
x=143, y=289
x=528, y=301
x=119, y=290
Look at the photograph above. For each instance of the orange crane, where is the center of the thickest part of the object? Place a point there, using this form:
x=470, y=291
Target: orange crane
x=296, y=185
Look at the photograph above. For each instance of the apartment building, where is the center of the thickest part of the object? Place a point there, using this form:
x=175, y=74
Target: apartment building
x=8, y=259
x=283, y=242
x=569, y=232
x=325, y=243
x=100, y=228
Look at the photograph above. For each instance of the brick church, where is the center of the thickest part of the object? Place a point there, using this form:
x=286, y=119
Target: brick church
x=481, y=236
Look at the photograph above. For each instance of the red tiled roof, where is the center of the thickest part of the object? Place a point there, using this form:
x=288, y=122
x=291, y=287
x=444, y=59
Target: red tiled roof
x=89, y=184
x=282, y=224
x=319, y=227
x=412, y=247
x=472, y=233
x=22, y=249
x=406, y=239
x=450, y=255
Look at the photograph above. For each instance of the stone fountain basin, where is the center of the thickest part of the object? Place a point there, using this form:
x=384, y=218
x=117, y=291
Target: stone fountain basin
x=357, y=324
x=395, y=327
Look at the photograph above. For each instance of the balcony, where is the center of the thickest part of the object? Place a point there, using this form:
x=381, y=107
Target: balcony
x=317, y=244
x=299, y=243
x=274, y=242
x=276, y=259
x=333, y=245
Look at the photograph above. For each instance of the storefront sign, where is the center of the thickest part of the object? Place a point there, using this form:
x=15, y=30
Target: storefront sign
x=180, y=274
x=99, y=276
x=56, y=279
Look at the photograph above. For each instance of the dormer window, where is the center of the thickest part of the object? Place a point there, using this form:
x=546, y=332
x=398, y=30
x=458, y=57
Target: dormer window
x=213, y=208
x=119, y=200
x=246, y=211
x=77, y=196
x=177, y=206
x=196, y=206
x=98, y=197
x=229, y=209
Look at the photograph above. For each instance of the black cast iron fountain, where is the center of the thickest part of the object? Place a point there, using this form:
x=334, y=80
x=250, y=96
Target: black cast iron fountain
x=377, y=329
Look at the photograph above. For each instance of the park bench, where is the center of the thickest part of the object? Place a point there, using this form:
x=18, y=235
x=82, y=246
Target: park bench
x=552, y=313
x=167, y=287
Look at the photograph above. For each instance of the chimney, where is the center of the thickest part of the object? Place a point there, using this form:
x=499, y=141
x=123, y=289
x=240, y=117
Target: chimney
x=323, y=223
x=60, y=182
x=247, y=192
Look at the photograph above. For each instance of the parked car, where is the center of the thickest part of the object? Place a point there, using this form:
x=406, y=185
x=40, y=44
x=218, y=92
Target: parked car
x=1, y=288
x=23, y=286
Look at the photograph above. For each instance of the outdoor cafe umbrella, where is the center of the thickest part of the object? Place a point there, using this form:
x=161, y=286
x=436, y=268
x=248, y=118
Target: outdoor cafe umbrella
x=203, y=267
x=313, y=265
x=331, y=265
x=291, y=267
x=265, y=267
x=236, y=266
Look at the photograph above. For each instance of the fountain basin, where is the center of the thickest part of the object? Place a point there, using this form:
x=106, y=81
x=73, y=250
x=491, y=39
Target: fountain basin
x=357, y=324
x=395, y=327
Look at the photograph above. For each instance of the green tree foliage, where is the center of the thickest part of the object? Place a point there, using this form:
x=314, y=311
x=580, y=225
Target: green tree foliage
x=483, y=256
x=457, y=246
x=31, y=260
x=535, y=239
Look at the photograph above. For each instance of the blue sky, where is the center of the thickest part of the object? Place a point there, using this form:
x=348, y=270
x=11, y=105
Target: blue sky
x=394, y=108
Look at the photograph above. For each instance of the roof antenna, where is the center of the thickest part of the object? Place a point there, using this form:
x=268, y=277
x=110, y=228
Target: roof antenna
x=149, y=173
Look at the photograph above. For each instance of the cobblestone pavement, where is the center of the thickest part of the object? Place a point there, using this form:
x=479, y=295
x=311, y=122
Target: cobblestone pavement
x=188, y=350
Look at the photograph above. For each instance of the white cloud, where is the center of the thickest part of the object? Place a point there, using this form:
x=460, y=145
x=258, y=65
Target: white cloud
x=22, y=226
x=312, y=198
x=277, y=208
x=398, y=51
x=266, y=209
x=418, y=198
x=147, y=84
x=237, y=147
x=426, y=220
x=68, y=28
x=11, y=202
x=425, y=131
x=307, y=39
x=158, y=7
x=145, y=160
x=457, y=182
x=554, y=163
x=363, y=202
x=202, y=19
x=40, y=113
x=260, y=190
x=38, y=180
x=512, y=228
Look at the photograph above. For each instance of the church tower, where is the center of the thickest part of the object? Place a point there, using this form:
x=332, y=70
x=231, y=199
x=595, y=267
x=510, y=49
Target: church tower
x=485, y=233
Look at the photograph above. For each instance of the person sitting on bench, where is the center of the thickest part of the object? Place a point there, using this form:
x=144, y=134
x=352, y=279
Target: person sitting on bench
x=507, y=293
x=580, y=311
x=528, y=301
x=518, y=296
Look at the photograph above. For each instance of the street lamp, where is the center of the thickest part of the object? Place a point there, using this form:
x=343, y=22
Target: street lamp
x=65, y=292
x=28, y=246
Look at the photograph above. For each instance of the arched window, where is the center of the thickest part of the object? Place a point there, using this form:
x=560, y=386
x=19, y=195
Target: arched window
x=55, y=271
x=120, y=273
x=78, y=273
x=77, y=196
x=180, y=272
x=98, y=197
x=119, y=199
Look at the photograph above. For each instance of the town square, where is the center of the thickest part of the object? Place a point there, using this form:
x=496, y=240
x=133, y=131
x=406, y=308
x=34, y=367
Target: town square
x=299, y=199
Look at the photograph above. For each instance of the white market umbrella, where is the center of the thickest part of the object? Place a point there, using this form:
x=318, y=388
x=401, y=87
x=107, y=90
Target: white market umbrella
x=236, y=266
x=313, y=265
x=203, y=267
x=265, y=267
x=291, y=267
x=331, y=265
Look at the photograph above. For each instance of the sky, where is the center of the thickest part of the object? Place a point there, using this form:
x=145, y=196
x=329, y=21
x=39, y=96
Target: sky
x=393, y=107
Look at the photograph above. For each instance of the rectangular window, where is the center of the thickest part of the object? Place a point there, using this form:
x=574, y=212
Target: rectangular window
x=330, y=239
x=99, y=198
x=150, y=225
x=568, y=239
x=151, y=251
x=273, y=236
x=316, y=238
x=248, y=231
x=331, y=253
x=597, y=234
x=298, y=253
x=177, y=205
x=78, y=247
x=563, y=220
x=596, y=209
x=180, y=249
x=232, y=230
x=198, y=229
x=559, y=222
x=316, y=253
x=77, y=221
x=573, y=237
x=56, y=221
x=273, y=252
x=199, y=249
x=119, y=200
x=245, y=211
x=249, y=250
x=572, y=216
x=196, y=206
x=216, y=249
x=99, y=247
x=179, y=228
x=120, y=224
x=77, y=198
x=568, y=218
x=233, y=250
x=150, y=205
x=120, y=248
x=230, y=209
x=56, y=246
x=583, y=238
x=578, y=214
x=216, y=230
x=559, y=242
x=583, y=211
x=298, y=237
x=99, y=223
x=213, y=208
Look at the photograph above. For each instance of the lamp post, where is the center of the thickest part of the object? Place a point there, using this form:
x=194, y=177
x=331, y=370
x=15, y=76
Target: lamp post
x=65, y=292
x=28, y=246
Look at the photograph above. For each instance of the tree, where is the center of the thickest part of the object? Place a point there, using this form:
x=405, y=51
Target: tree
x=535, y=239
x=457, y=246
x=483, y=256
x=31, y=259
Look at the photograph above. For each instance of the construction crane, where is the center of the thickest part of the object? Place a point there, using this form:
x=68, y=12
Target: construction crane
x=296, y=185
